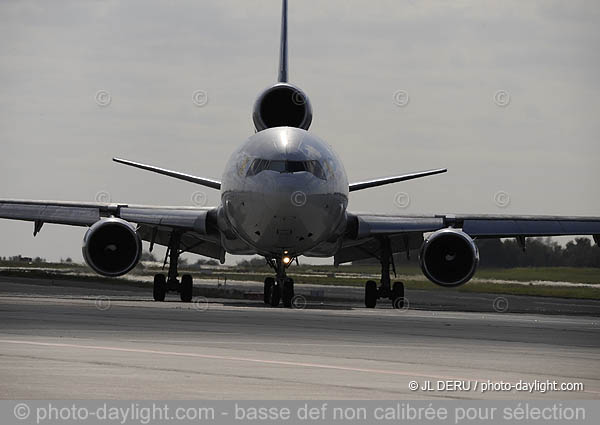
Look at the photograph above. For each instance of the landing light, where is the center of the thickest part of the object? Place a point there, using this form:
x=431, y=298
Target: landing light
x=286, y=260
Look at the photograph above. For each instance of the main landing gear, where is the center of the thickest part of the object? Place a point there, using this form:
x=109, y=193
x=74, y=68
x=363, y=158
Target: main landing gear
x=386, y=290
x=163, y=284
x=281, y=287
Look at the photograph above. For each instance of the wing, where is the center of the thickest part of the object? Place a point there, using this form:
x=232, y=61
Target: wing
x=214, y=184
x=393, y=179
x=406, y=232
x=197, y=226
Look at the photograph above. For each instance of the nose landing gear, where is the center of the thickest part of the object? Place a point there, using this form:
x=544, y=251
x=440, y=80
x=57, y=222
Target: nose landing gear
x=396, y=293
x=164, y=284
x=280, y=288
x=272, y=293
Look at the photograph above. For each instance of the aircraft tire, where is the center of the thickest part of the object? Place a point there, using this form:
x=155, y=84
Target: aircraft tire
x=398, y=295
x=275, y=295
x=371, y=294
x=159, y=289
x=288, y=292
x=269, y=282
x=187, y=288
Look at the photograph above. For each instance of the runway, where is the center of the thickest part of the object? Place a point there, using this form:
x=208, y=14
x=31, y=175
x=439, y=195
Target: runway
x=77, y=343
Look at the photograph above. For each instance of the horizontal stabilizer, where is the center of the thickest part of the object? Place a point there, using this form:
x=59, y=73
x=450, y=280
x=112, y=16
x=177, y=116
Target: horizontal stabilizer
x=393, y=179
x=215, y=184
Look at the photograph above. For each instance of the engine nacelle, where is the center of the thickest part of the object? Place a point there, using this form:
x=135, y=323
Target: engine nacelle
x=282, y=105
x=449, y=257
x=112, y=247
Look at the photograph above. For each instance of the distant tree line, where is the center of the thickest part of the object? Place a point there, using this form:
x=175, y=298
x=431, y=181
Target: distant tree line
x=183, y=262
x=252, y=263
x=146, y=256
x=20, y=259
x=539, y=252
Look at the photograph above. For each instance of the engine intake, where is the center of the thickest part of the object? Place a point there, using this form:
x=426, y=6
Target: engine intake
x=112, y=247
x=282, y=105
x=449, y=257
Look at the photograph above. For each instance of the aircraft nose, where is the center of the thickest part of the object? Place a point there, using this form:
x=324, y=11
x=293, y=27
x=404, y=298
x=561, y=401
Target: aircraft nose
x=285, y=195
x=286, y=212
x=299, y=210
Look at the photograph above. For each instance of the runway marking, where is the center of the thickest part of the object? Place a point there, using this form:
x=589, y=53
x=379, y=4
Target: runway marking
x=243, y=359
x=286, y=344
x=230, y=358
x=217, y=357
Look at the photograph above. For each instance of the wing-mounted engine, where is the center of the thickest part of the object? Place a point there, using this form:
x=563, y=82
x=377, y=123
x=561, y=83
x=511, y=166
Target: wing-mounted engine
x=282, y=105
x=449, y=257
x=112, y=247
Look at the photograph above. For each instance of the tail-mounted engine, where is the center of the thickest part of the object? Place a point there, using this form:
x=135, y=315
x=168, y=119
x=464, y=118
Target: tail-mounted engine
x=449, y=257
x=112, y=247
x=282, y=105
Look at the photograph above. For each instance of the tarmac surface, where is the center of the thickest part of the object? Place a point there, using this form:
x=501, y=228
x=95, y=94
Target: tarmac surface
x=63, y=340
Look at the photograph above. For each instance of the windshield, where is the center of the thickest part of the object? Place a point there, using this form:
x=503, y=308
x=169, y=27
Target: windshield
x=284, y=166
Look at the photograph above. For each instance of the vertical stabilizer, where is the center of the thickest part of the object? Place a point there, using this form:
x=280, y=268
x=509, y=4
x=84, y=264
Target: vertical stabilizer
x=283, y=48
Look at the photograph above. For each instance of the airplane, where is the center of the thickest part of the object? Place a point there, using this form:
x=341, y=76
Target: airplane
x=284, y=193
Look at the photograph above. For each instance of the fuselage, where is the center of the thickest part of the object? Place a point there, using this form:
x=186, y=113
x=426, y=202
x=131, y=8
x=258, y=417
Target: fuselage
x=285, y=190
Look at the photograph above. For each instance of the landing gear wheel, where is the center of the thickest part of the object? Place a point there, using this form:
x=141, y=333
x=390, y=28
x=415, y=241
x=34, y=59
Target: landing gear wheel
x=269, y=282
x=160, y=287
x=371, y=294
x=187, y=288
x=275, y=294
x=398, y=295
x=288, y=292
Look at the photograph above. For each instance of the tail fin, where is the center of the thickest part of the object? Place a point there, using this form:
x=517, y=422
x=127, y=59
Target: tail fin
x=283, y=49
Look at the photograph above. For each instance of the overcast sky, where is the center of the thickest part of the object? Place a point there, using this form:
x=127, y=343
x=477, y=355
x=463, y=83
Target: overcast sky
x=505, y=94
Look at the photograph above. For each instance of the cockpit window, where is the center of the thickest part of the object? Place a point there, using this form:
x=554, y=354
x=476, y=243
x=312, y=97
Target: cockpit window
x=283, y=166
